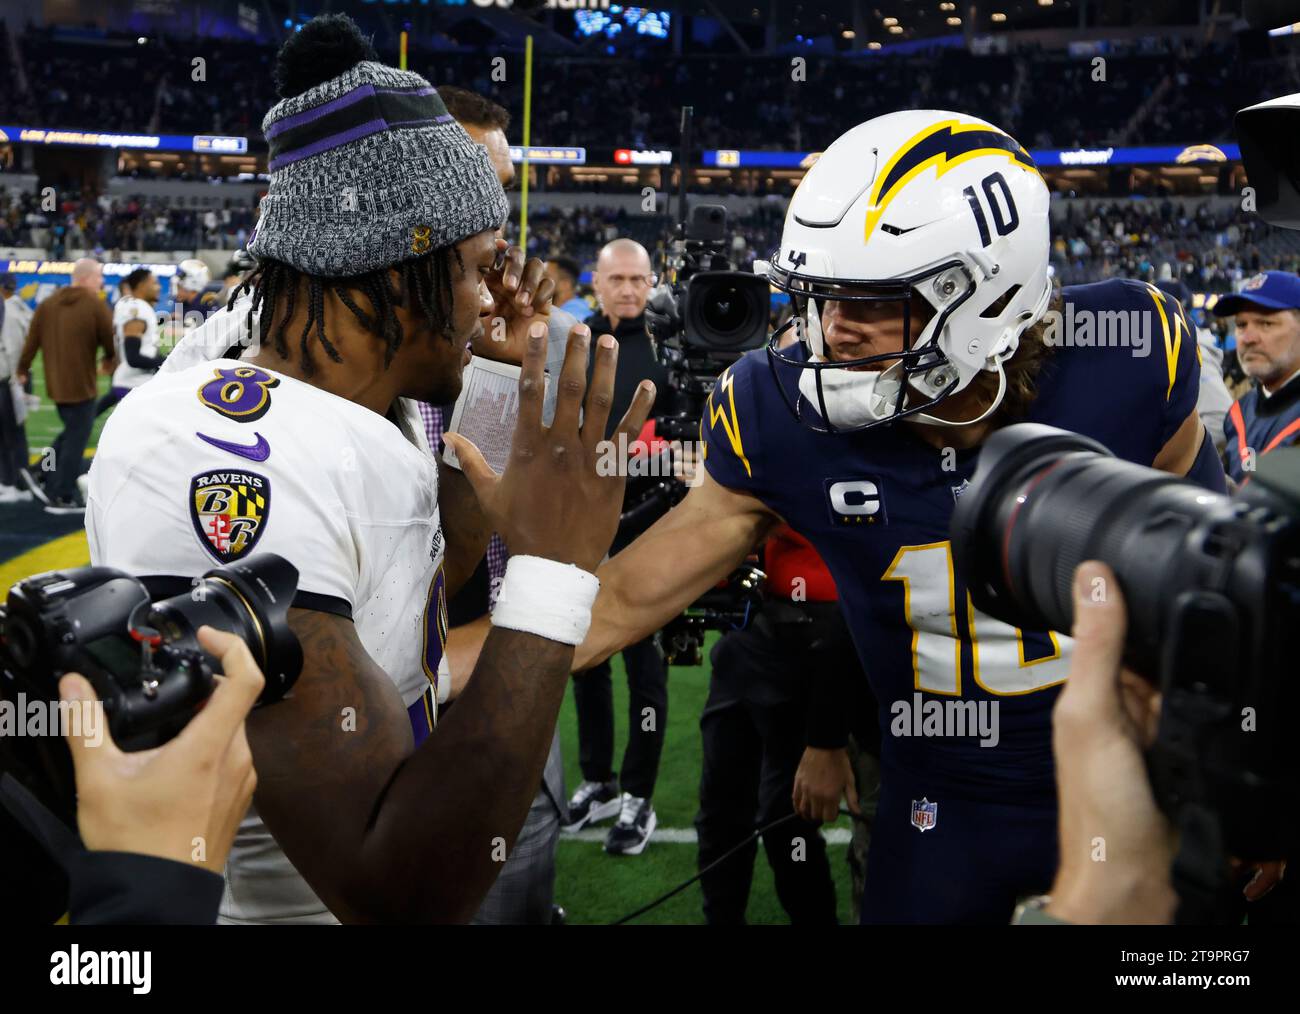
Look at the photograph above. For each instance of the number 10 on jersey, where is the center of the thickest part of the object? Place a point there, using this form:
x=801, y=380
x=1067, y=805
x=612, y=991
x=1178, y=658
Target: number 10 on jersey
x=1004, y=660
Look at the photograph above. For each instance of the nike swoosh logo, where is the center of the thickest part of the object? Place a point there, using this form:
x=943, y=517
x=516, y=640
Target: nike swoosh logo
x=259, y=451
x=894, y=230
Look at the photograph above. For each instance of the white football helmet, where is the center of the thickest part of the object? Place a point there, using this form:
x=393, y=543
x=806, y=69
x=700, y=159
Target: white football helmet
x=193, y=275
x=924, y=204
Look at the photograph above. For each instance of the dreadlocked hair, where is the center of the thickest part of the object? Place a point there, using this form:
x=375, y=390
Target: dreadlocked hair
x=423, y=286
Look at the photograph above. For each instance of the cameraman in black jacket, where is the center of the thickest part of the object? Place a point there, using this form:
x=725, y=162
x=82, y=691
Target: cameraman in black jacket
x=623, y=280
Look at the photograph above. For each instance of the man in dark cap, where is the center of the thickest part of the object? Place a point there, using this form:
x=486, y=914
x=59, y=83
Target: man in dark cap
x=1266, y=314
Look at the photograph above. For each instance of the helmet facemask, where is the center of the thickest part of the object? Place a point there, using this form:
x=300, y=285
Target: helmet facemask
x=837, y=396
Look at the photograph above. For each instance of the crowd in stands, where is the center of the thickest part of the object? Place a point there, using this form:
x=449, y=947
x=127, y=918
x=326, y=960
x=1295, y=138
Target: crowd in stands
x=104, y=222
x=580, y=233
x=1045, y=98
x=1213, y=248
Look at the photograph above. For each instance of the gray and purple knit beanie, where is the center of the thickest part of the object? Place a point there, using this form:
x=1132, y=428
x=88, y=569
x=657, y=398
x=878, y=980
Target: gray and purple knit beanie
x=368, y=169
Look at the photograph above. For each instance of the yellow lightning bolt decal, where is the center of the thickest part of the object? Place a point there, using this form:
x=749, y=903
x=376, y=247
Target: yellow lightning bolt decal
x=943, y=161
x=1174, y=341
x=727, y=416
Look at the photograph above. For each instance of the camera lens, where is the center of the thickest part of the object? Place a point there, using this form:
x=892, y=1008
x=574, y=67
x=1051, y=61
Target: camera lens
x=1043, y=501
x=726, y=311
x=251, y=599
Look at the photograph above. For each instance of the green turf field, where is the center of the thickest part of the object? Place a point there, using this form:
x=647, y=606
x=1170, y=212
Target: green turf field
x=596, y=888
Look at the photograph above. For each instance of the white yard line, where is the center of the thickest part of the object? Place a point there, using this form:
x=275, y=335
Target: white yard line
x=687, y=836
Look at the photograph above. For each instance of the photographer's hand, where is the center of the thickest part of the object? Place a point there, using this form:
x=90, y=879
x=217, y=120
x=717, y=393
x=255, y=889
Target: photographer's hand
x=1116, y=846
x=521, y=292
x=183, y=800
x=823, y=779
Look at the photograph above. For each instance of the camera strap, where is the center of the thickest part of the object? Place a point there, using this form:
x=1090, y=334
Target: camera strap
x=59, y=840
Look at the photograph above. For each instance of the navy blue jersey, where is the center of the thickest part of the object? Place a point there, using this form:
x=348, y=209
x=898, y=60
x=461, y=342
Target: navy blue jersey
x=1255, y=425
x=877, y=505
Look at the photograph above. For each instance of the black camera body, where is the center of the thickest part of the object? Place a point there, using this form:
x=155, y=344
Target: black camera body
x=703, y=316
x=1212, y=588
x=141, y=656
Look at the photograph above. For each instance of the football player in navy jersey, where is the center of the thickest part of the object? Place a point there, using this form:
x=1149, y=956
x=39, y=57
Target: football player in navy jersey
x=916, y=251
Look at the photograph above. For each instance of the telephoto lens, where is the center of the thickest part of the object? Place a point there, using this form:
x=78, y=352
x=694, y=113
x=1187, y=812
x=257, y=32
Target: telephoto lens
x=1212, y=588
x=1044, y=500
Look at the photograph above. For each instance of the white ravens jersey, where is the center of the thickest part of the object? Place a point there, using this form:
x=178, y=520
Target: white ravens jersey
x=222, y=460
x=129, y=308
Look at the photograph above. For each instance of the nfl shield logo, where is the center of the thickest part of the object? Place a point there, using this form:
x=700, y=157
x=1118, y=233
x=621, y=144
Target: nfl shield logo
x=229, y=511
x=925, y=814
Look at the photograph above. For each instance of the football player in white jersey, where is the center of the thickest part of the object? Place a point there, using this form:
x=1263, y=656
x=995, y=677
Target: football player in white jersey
x=135, y=333
x=112, y=396
x=309, y=446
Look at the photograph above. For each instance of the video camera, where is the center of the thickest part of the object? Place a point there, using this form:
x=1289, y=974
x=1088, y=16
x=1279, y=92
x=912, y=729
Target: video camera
x=703, y=316
x=141, y=655
x=1212, y=585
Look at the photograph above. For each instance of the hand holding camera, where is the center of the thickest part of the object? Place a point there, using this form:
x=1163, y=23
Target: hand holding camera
x=1116, y=846
x=1198, y=597
x=181, y=801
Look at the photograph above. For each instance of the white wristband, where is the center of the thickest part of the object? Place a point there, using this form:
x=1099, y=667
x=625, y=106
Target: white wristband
x=546, y=598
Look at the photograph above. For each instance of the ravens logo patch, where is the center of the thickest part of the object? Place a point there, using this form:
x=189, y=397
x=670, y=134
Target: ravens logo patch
x=229, y=509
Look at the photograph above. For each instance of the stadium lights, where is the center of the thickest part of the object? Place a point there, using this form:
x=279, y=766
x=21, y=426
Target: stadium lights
x=1045, y=3
x=848, y=33
x=889, y=22
x=999, y=17
x=895, y=29
x=947, y=7
x=954, y=21
x=141, y=41
x=873, y=45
